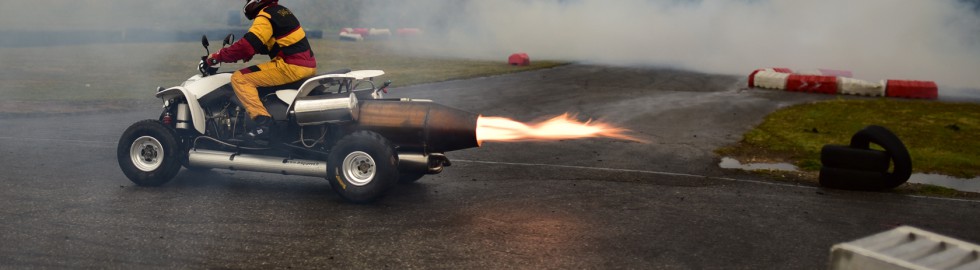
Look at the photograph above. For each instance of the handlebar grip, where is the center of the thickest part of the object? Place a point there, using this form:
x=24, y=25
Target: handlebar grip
x=210, y=63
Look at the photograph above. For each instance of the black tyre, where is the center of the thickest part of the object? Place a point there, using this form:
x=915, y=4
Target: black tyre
x=846, y=157
x=362, y=166
x=853, y=179
x=148, y=153
x=409, y=177
x=900, y=157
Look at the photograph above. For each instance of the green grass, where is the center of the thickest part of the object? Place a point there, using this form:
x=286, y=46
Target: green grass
x=409, y=70
x=133, y=71
x=941, y=137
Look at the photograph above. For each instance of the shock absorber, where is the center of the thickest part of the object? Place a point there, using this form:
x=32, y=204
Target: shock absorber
x=167, y=119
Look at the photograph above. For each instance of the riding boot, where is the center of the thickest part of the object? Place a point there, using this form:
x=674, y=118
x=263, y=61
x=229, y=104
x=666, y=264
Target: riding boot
x=261, y=132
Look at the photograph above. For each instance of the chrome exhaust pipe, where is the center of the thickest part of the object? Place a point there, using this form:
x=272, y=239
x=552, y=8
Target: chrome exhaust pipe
x=256, y=163
x=421, y=163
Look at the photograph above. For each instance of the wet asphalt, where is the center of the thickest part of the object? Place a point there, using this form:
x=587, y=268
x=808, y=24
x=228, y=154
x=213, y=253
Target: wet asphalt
x=594, y=203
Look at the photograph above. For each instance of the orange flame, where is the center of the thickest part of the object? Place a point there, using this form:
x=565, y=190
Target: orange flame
x=561, y=127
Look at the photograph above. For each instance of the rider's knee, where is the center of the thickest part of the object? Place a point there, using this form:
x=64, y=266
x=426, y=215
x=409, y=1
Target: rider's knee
x=238, y=78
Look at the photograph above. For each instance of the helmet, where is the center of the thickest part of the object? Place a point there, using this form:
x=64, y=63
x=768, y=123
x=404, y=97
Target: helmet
x=252, y=7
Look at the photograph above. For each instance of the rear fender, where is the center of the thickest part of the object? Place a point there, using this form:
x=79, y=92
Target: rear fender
x=313, y=82
x=197, y=113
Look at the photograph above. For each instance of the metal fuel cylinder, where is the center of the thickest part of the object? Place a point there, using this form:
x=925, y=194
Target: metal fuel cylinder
x=425, y=126
x=317, y=110
x=183, y=116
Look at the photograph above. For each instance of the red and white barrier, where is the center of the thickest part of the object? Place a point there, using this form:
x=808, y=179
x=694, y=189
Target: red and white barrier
x=348, y=36
x=828, y=81
x=912, y=89
x=361, y=31
x=768, y=79
x=379, y=32
x=849, y=86
x=812, y=84
x=358, y=34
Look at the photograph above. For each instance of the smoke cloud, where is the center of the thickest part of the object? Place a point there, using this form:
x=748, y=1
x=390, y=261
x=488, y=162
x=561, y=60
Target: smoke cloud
x=877, y=39
x=58, y=15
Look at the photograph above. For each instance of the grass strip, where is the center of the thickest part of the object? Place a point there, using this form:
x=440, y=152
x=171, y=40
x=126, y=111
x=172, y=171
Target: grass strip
x=942, y=137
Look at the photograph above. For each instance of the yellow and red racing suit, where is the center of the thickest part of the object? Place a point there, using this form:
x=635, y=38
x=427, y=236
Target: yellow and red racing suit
x=275, y=32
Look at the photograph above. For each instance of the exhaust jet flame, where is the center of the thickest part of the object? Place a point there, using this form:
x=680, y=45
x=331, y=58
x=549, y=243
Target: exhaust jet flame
x=428, y=127
x=561, y=127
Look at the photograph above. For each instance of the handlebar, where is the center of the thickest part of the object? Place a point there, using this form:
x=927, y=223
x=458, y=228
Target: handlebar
x=205, y=69
x=208, y=69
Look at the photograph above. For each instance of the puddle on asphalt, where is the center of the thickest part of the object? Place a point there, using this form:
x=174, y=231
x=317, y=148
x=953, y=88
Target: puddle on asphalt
x=731, y=163
x=968, y=185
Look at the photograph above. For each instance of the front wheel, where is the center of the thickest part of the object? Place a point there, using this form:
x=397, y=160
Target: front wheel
x=362, y=167
x=148, y=153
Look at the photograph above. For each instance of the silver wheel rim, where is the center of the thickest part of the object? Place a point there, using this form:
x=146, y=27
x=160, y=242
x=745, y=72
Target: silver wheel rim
x=146, y=153
x=359, y=168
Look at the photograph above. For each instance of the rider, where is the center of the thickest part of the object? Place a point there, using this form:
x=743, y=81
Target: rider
x=276, y=32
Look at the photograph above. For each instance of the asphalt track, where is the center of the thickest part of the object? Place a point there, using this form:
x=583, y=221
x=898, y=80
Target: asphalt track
x=593, y=203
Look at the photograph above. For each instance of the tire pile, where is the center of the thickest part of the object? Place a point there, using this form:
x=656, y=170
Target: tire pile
x=858, y=167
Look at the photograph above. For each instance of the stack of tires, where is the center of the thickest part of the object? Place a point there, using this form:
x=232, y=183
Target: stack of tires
x=839, y=82
x=858, y=167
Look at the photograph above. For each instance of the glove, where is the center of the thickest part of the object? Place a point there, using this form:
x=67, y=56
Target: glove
x=212, y=59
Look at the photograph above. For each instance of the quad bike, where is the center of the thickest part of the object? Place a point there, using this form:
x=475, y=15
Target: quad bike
x=336, y=125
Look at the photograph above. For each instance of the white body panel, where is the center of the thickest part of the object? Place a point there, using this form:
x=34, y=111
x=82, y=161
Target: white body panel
x=312, y=83
x=194, y=88
x=287, y=95
x=202, y=86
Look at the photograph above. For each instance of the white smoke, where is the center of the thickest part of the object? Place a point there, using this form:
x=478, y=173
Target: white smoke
x=91, y=15
x=876, y=39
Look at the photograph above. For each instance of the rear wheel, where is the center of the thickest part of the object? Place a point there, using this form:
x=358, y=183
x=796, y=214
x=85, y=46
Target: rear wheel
x=362, y=167
x=148, y=153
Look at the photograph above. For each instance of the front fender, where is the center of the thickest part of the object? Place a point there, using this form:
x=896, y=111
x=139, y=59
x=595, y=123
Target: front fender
x=197, y=113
